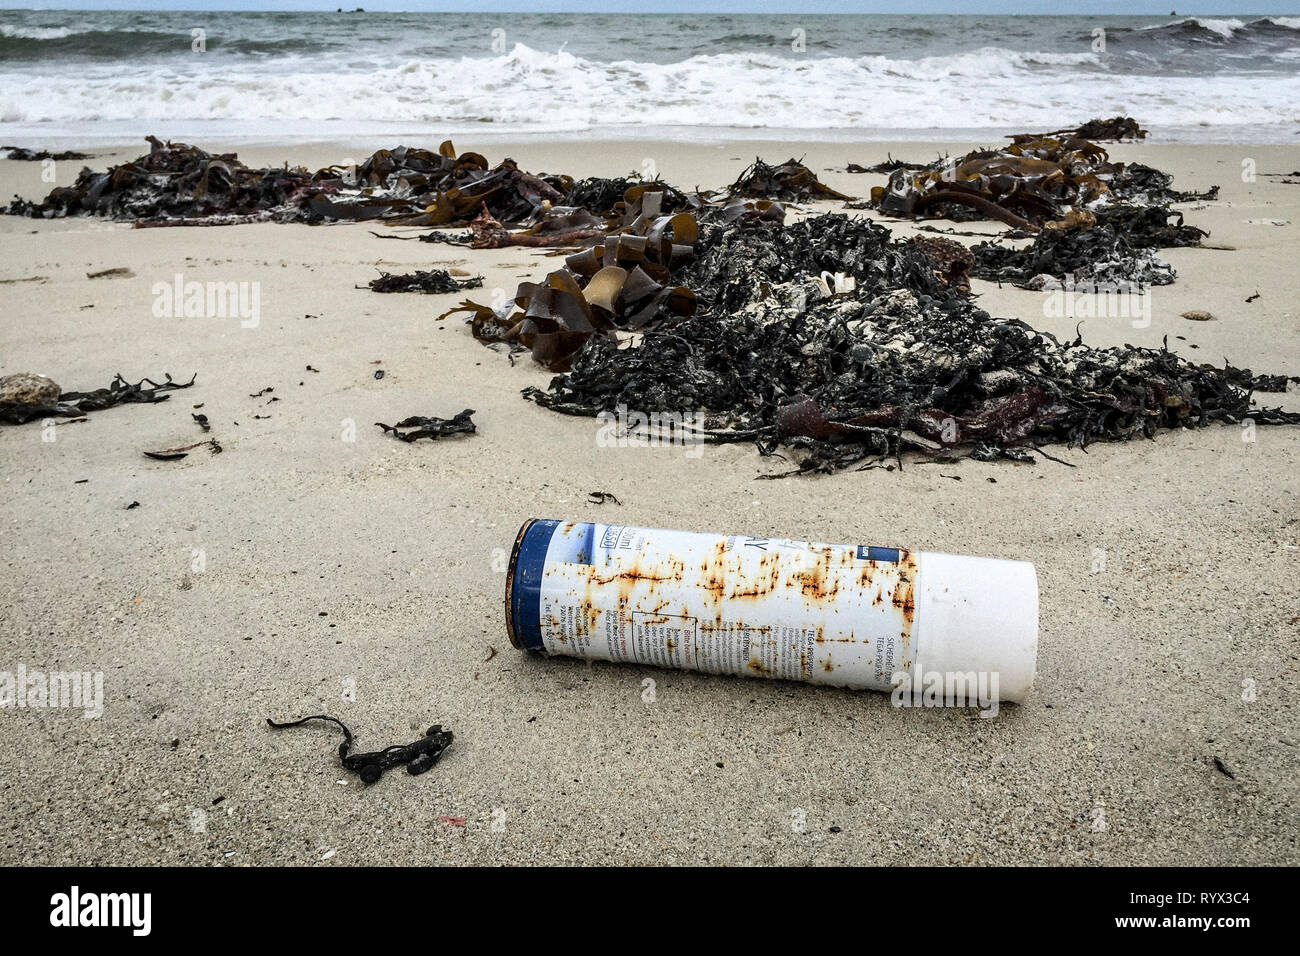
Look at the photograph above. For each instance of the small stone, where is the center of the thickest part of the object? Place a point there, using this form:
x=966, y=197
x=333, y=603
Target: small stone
x=28, y=388
x=1198, y=315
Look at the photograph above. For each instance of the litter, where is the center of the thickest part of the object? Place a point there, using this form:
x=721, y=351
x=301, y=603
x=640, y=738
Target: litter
x=840, y=615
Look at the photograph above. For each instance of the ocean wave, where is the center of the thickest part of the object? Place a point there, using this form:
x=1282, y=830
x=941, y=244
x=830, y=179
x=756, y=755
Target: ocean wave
x=1222, y=29
x=533, y=89
x=35, y=44
x=36, y=33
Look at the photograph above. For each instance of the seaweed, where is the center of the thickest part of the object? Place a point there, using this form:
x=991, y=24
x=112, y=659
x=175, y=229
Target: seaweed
x=1074, y=257
x=22, y=154
x=75, y=404
x=419, y=757
x=433, y=282
x=830, y=338
x=1037, y=180
x=175, y=454
x=431, y=428
x=178, y=184
x=622, y=279
x=791, y=181
x=1098, y=130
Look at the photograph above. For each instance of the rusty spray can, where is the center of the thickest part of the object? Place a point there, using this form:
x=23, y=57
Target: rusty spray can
x=843, y=615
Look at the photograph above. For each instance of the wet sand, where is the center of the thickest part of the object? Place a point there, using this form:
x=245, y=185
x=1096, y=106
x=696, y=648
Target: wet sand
x=298, y=572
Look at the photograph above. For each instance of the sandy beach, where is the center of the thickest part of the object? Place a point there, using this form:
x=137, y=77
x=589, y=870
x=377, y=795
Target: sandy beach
x=300, y=572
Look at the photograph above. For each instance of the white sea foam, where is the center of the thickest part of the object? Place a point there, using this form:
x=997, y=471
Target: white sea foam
x=36, y=33
x=533, y=89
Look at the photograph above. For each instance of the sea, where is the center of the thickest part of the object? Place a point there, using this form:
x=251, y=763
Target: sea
x=86, y=77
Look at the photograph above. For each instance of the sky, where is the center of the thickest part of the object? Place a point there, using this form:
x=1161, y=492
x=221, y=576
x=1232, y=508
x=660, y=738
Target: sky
x=1079, y=7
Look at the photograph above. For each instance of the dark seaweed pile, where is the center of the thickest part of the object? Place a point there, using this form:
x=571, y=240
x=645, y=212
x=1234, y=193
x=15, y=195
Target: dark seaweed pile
x=174, y=181
x=431, y=282
x=900, y=361
x=177, y=182
x=1115, y=251
x=791, y=181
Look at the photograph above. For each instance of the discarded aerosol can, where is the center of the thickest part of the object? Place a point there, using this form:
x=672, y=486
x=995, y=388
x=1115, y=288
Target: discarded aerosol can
x=843, y=615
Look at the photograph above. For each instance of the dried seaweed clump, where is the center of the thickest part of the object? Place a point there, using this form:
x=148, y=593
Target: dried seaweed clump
x=432, y=281
x=791, y=181
x=424, y=426
x=76, y=404
x=622, y=280
x=175, y=183
x=829, y=337
x=1094, y=221
x=1115, y=129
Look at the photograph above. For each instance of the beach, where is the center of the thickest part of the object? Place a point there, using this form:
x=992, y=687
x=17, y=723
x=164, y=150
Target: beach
x=302, y=572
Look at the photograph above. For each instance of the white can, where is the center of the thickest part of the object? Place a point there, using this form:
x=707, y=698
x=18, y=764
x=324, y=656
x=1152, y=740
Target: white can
x=844, y=615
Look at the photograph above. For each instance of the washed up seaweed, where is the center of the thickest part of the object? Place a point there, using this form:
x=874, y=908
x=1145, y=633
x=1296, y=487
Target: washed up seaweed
x=888, y=166
x=176, y=181
x=1094, y=221
x=601, y=195
x=1111, y=248
x=1115, y=129
x=419, y=757
x=790, y=181
x=432, y=282
x=431, y=428
x=1035, y=181
x=829, y=338
x=621, y=279
x=22, y=154
x=178, y=184
x=421, y=187
x=1075, y=257
x=75, y=404
x=176, y=454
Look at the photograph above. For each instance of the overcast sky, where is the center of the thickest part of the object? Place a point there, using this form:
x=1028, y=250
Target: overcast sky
x=1082, y=7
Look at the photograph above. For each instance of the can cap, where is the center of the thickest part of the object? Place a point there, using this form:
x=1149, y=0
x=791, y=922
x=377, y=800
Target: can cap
x=978, y=615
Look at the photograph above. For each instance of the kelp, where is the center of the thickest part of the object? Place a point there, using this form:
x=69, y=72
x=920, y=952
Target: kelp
x=889, y=356
x=421, y=187
x=621, y=280
x=432, y=428
x=601, y=195
x=176, y=181
x=430, y=282
x=1111, y=248
x=418, y=757
x=179, y=184
x=1033, y=182
x=790, y=181
x=75, y=404
x=182, y=451
x=22, y=154
x=1075, y=257
x=1115, y=129
x=1094, y=221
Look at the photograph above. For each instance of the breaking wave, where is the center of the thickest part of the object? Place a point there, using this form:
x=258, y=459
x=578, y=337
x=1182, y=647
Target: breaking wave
x=263, y=73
